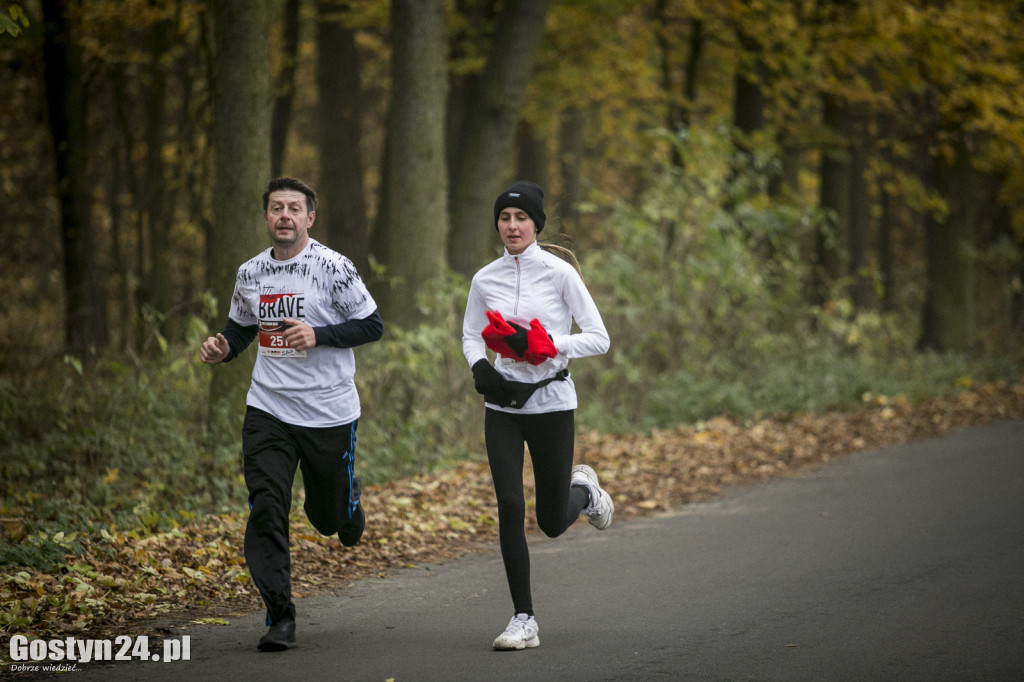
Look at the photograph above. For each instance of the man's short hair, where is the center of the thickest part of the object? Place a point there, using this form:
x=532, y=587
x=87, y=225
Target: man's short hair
x=292, y=184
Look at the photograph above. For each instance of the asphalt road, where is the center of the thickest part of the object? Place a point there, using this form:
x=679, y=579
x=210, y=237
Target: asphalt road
x=905, y=563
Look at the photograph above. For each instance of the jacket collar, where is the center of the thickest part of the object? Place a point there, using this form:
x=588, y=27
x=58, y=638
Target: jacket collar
x=530, y=252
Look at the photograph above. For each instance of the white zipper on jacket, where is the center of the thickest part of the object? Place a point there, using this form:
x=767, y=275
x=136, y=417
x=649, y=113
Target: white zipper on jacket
x=515, y=307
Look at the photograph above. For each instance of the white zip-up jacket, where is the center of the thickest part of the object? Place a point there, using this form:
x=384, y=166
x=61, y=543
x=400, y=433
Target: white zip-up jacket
x=535, y=285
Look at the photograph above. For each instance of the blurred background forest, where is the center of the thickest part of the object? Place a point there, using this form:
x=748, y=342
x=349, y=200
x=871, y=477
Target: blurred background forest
x=779, y=205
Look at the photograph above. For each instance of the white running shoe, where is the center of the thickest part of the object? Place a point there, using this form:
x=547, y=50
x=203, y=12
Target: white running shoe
x=601, y=506
x=522, y=632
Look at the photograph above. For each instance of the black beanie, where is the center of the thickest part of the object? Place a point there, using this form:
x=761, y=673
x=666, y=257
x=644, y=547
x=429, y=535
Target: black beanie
x=525, y=195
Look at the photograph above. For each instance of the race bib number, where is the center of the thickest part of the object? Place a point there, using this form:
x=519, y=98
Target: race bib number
x=274, y=307
x=273, y=343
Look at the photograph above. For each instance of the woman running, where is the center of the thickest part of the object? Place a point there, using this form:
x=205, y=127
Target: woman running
x=522, y=307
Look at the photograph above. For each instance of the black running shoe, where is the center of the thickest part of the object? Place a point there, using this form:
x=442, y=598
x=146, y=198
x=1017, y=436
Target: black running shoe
x=352, y=530
x=279, y=637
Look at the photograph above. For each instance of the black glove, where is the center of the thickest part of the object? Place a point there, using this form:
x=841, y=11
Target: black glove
x=486, y=379
x=518, y=342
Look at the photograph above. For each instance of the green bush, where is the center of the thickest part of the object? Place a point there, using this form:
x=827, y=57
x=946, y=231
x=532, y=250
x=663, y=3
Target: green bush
x=705, y=295
x=121, y=440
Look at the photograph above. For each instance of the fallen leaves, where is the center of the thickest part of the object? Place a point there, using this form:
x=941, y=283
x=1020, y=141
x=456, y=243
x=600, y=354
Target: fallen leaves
x=196, y=573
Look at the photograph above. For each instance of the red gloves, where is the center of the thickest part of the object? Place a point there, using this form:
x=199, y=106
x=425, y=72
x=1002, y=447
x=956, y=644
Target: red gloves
x=510, y=340
x=496, y=335
x=539, y=346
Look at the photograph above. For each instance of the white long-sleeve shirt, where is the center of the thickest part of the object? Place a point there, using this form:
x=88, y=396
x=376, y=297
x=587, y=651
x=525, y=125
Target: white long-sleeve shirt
x=535, y=285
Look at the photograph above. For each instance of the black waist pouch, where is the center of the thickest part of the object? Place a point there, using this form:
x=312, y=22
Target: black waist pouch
x=515, y=393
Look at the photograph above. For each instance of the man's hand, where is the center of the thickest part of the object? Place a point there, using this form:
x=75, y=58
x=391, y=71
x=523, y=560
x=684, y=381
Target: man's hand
x=299, y=335
x=214, y=349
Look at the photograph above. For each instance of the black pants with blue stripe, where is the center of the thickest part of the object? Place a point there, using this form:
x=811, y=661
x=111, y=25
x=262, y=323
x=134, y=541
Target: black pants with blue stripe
x=272, y=451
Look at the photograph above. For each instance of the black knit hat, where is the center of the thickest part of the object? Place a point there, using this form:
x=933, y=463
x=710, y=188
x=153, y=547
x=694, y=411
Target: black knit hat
x=525, y=195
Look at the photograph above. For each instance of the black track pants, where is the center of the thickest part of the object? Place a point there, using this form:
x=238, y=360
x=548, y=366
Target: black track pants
x=272, y=451
x=551, y=439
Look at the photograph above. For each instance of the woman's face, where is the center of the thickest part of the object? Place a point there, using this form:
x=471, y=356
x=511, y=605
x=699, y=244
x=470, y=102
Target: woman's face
x=517, y=229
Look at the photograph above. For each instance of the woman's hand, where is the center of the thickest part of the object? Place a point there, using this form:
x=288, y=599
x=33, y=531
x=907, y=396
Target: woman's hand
x=541, y=347
x=486, y=379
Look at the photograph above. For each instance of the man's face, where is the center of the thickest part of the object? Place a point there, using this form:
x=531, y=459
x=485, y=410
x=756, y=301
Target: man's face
x=288, y=222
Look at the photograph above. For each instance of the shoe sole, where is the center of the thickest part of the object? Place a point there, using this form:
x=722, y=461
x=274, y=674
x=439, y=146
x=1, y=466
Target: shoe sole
x=276, y=646
x=519, y=646
x=591, y=475
x=607, y=519
x=352, y=531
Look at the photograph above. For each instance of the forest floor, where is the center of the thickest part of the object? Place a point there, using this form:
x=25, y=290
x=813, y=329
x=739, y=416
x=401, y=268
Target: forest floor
x=124, y=584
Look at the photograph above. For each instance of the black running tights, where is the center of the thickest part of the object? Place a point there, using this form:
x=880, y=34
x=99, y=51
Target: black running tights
x=551, y=439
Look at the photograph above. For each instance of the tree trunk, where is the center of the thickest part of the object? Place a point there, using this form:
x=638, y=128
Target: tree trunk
x=85, y=320
x=158, y=292
x=128, y=178
x=241, y=138
x=886, y=257
x=680, y=103
x=532, y=156
x=118, y=220
x=749, y=101
x=996, y=285
x=693, y=57
x=284, y=94
x=948, y=319
x=834, y=198
x=342, y=215
x=571, y=150
x=488, y=129
x=860, y=209
x=416, y=172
